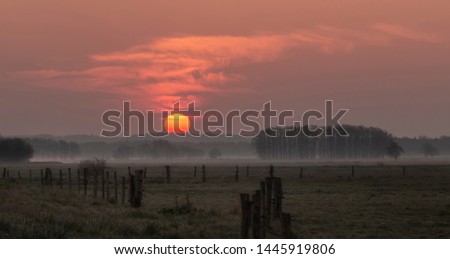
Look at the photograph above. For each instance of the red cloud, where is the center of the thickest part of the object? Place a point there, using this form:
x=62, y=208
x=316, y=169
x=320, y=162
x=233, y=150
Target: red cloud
x=182, y=68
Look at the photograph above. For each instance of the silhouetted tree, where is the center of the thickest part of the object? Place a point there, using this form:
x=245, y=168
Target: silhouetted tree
x=15, y=150
x=394, y=150
x=429, y=150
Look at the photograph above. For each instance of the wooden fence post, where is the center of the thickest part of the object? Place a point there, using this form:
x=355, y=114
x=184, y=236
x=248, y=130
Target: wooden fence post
x=70, y=180
x=107, y=185
x=132, y=189
x=85, y=180
x=60, y=179
x=123, y=189
x=246, y=215
x=248, y=171
x=203, y=173
x=237, y=174
x=278, y=197
x=269, y=193
x=115, y=188
x=195, y=171
x=139, y=190
x=95, y=183
x=271, y=171
x=256, y=211
x=404, y=171
x=79, y=181
x=103, y=184
x=168, y=180
x=353, y=171
x=48, y=177
x=286, y=230
x=4, y=173
x=263, y=209
x=301, y=173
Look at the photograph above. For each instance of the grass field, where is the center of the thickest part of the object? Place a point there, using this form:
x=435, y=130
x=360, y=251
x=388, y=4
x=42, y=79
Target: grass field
x=378, y=202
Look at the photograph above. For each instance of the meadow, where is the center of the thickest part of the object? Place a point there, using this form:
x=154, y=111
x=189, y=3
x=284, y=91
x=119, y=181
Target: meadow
x=325, y=201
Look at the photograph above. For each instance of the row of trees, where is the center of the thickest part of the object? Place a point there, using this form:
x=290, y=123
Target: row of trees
x=15, y=150
x=54, y=149
x=362, y=143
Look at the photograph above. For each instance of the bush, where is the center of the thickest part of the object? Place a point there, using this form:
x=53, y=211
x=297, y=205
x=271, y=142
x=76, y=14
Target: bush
x=93, y=165
x=15, y=150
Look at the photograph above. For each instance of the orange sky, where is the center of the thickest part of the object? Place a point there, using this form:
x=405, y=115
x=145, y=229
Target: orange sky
x=65, y=62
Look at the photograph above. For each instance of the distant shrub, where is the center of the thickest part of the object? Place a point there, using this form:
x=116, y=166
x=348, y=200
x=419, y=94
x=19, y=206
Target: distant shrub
x=15, y=150
x=93, y=165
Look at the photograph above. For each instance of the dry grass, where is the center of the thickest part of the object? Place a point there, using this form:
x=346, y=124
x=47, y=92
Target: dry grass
x=326, y=203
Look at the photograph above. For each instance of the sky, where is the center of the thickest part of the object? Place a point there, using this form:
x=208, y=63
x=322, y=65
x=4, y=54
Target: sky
x=64, y=63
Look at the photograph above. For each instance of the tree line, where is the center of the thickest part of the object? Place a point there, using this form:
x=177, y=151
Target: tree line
x=54, y=149
x=362, y=143
x=15, y=150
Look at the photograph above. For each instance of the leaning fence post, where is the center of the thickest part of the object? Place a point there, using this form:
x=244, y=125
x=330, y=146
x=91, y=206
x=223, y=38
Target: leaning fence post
x=245, y=216
x=203, y=173
x=237, y=174
x=168, y=180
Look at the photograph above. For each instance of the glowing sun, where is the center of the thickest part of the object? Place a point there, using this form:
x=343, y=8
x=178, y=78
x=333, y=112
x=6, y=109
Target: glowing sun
x=177, y=123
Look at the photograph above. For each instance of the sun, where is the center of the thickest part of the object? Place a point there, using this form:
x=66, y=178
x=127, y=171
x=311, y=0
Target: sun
x=177, y=123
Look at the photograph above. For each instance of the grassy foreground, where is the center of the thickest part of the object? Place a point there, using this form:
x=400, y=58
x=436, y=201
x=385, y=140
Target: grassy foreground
x=379, y=202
